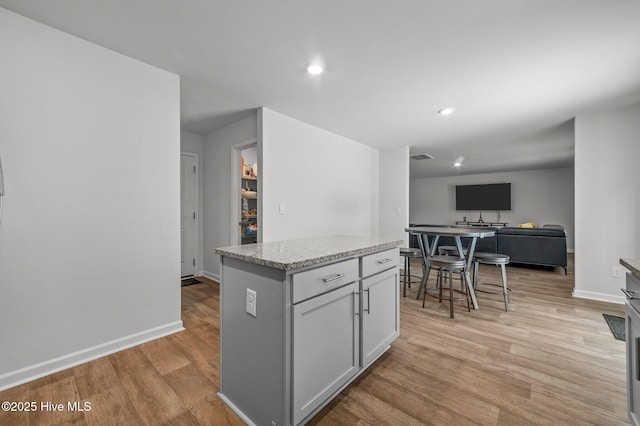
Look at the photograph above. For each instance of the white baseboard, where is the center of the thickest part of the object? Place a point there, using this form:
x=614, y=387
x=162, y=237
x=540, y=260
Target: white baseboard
x=236, y=410
x=602, y=297
x=32, y=372
x=211, y=276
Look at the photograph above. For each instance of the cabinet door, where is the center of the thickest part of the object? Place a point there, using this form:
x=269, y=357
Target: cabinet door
x=633, y=364
x=380, y=314
x=325, y=348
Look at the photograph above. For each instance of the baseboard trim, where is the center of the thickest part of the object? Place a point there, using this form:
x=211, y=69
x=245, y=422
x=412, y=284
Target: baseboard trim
x=236, y=410
x=602, y=297
x=36, y=371
x=211, y=276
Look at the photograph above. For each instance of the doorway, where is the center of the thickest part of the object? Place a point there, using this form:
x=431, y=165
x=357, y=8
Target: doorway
x=188, y=216
x=245, y=193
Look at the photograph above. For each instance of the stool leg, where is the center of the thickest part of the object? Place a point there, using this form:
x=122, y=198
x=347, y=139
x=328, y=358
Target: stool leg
x=505, y=289
x=475, y=274
x=404, y=278
x=424, y=293
x=408, y=272
x=451, y=295
x=466, y=292
x=439, y=285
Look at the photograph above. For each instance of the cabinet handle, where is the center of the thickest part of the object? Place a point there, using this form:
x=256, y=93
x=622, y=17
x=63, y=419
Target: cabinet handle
x=383, y=261
x=637, y=358
x=368, y=310
x=333, y=278
x=356, y=299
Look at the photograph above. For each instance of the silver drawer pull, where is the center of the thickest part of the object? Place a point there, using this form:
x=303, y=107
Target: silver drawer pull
x=631, y=295
x=368, y=310
x=333, y=278
x=383, y=261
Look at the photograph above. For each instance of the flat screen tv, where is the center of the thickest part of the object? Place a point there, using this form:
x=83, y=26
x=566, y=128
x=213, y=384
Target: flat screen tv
x=493, y=196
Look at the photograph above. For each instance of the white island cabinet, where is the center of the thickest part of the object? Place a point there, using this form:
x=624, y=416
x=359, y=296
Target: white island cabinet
x=300, y=320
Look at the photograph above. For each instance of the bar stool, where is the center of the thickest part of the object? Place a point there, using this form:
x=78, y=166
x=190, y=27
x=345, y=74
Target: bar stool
x=450, y=251
x=449, y=265
x=408, y=254
x=496, y=259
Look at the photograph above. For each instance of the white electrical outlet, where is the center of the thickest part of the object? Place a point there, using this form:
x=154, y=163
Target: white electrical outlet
x=251, y=302
x=617, y=272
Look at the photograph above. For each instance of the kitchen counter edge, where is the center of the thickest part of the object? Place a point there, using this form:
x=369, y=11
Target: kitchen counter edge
x=377, y=244
x=633, y=265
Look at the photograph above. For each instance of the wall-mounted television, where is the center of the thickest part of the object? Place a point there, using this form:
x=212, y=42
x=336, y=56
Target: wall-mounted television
x=493, y=196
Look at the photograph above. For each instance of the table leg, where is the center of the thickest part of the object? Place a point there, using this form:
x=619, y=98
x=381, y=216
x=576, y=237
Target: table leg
x=467, y=269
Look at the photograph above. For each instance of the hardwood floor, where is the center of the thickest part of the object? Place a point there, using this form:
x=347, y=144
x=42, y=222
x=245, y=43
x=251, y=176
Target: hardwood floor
x=550, y=360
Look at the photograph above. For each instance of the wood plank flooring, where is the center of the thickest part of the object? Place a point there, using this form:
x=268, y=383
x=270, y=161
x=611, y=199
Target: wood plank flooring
x=550, y=360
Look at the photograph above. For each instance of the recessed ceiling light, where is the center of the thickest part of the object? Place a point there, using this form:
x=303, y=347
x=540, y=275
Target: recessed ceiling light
x=446, y=111
x=457, y=164
x=315, y=69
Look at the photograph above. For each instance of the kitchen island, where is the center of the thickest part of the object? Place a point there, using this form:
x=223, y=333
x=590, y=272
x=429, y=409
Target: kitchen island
x=301, y=319
x=632, y=337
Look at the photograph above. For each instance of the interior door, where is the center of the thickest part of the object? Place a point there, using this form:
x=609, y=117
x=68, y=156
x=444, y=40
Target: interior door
x=188, y=191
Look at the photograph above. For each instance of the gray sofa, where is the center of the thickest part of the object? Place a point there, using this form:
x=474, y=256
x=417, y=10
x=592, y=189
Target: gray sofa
x=546, y=246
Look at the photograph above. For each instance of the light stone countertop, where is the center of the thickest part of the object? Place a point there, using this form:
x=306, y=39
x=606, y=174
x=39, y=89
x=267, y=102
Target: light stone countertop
x=633, y=265
x=294, y=254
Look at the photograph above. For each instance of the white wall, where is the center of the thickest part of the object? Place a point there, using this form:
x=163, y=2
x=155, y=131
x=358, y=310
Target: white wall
x=327, y=183
x=190, y=142
x=217, y=188
x=607, y=199
x=194, y=144
x=394, y=193
x=89, y=240
x=540, y=196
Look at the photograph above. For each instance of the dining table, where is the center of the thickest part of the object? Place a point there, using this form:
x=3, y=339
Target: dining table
x=473, y=232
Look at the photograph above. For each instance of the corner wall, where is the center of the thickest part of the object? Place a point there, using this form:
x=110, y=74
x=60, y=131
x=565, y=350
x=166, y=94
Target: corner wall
x=328, y=184
x=394, y=193
x=607, y=200
x=89, y=239
x=217, y=221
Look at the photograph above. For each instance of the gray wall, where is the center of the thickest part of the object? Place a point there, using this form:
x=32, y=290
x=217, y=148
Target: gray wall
x=90, y=235
x=607, y=200
x=217, y=188
x=540, y=196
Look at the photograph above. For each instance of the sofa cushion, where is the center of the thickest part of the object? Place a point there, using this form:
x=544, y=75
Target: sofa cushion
x=537, y=232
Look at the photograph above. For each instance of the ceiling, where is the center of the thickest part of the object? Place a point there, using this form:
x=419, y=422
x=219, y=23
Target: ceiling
x=516, y=71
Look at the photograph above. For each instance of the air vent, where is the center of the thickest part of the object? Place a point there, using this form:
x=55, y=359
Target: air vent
x=422, y=157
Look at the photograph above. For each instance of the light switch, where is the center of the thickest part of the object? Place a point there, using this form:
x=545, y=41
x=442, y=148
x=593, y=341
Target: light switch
x=398, y=210
x=281, y=208
x=251, y=302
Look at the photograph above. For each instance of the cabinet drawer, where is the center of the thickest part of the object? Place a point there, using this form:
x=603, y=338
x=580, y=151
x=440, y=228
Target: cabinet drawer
x=378, y=262
x=325, y=278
